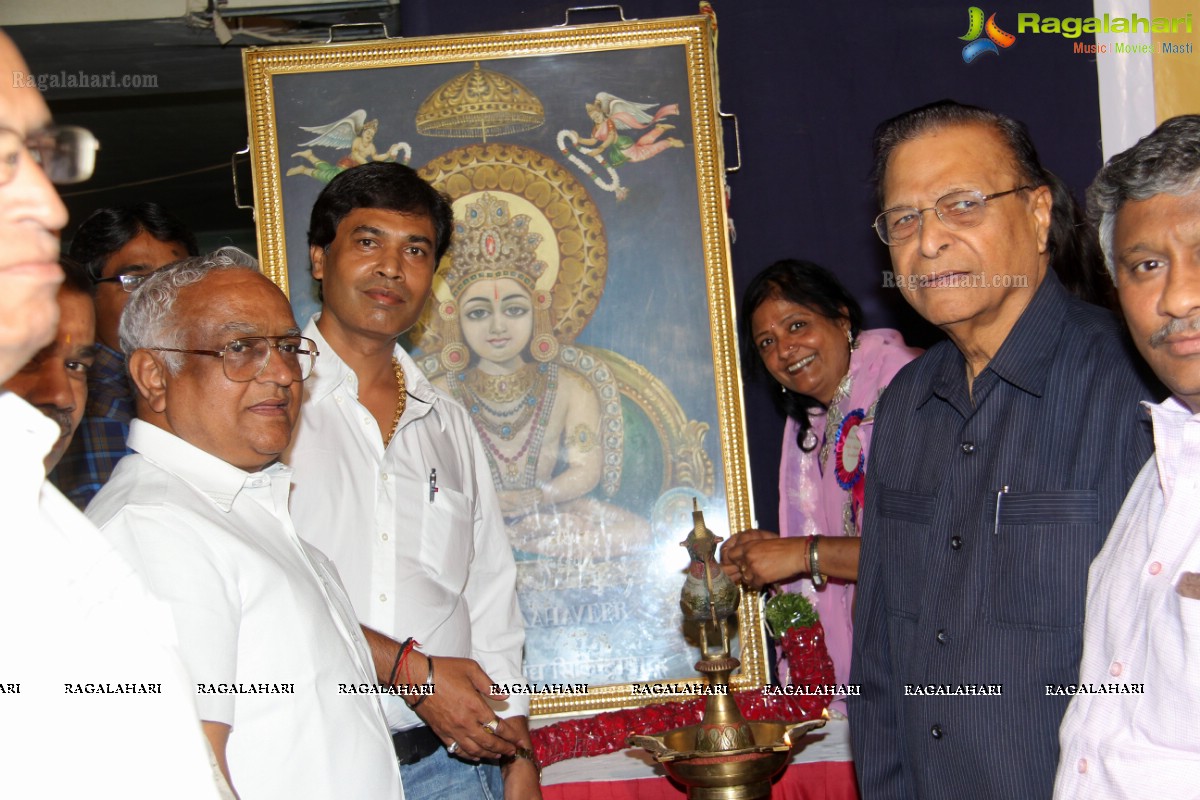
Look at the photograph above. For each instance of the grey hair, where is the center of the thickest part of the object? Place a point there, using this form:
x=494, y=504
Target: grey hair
x=1165, y=162
x=148, y=320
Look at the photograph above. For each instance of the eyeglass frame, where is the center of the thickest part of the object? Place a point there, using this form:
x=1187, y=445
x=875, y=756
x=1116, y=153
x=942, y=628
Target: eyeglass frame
x=954, y=226
x=312, y=353
x=126, y=278
x=85, y=154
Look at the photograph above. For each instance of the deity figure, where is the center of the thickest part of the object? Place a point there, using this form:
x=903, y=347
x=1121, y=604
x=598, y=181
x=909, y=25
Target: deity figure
x=548, y=415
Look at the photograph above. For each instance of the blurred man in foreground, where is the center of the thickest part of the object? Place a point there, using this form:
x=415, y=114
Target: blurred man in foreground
x=91, y=655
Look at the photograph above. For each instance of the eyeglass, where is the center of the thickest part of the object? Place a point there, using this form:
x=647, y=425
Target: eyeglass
x=128, y=282
x=245, y=359
x=957, y=210
x=66, y=153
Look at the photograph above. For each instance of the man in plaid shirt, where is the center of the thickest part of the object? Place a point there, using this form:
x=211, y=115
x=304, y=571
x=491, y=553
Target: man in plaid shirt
x=119, y=247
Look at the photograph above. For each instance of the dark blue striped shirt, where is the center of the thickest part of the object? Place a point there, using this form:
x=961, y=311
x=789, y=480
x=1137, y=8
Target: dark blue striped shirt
x=957, y=589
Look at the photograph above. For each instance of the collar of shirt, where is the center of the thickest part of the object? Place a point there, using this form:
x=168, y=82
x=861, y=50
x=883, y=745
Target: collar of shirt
x=332, y=373
x=1176, y=440
x=1023, y=359
x=219, y=480
x=28, y=436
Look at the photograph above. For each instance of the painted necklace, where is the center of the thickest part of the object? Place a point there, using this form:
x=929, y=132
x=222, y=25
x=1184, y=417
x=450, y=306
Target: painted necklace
x=508, y=472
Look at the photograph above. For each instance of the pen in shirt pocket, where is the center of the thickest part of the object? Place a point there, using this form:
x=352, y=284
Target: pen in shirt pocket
x=999, y=496
x=433, y=487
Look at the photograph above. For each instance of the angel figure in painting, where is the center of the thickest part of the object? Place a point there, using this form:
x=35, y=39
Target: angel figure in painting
x=354, y=132
x=609, y=147
x=611, y=115
x=549, y=417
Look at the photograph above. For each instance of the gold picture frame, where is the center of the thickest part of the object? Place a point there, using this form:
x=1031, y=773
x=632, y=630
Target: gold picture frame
x=599, y=147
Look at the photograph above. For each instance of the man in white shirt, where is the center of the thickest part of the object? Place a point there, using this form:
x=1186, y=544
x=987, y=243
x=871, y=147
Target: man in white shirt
x=1133, y=727
x=284, y=677
x=94, y=701
x=392, y=482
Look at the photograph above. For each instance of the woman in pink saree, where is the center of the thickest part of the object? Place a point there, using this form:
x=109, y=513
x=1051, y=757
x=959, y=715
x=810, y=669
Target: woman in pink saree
x=805, y=329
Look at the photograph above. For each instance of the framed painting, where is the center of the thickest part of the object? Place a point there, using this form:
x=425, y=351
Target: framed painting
x=585, y=168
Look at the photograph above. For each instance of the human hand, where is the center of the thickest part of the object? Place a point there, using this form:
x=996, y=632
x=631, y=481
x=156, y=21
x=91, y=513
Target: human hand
x=733, y=552
x=458, y=713
x=758, y=558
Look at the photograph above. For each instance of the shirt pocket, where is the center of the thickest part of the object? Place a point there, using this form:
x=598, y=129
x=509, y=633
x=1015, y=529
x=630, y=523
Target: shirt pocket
x=904, y=531
x=1041, y=549
x=447, y=537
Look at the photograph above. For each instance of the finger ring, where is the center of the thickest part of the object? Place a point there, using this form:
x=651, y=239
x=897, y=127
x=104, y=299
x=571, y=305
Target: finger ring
x=453, y=748
x=492, y=726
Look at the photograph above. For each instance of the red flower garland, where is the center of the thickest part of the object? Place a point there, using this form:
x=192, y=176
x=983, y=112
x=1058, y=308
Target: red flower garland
x=808, y=665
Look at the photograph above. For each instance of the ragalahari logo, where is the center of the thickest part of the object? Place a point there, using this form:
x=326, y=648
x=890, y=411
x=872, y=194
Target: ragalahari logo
x=996, y=38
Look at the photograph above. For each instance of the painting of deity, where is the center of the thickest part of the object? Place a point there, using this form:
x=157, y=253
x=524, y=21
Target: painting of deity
x=582, y=314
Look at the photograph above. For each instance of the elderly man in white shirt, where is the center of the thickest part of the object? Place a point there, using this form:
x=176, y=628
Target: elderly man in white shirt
x=1133, y=727
x=270, y=640
x=94, y=701
x=416, y=531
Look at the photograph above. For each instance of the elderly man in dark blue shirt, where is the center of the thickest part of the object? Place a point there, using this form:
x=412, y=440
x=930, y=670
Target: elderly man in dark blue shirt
x=1000, y=459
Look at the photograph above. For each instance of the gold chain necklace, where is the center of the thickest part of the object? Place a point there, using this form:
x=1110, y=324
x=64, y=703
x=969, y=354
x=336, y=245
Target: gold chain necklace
x=401, y=399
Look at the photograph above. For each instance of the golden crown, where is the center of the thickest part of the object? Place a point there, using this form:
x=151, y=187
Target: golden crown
x=490, y=243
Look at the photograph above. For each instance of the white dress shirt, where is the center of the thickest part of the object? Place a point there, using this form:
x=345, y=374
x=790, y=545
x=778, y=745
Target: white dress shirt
x=437, y=567
x=1142, y=636
x=93, y=699
x=265, y=628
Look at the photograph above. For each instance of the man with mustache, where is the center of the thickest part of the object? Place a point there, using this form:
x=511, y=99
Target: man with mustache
x=999, y=461
x=200, y=508
x=1141, y=637
x=77, y=623
x=393, y=483
x=55, y=380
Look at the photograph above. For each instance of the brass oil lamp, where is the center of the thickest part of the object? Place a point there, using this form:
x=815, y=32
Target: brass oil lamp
x=724, y=757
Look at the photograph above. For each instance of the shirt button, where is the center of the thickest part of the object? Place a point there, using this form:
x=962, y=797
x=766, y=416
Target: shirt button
x=338, y=399
x=384, y=476
x=383, y=598
x=383, y=536
x=968, y=447
x=1082, y=765
x=936, y=731
x=366, y=420
x=1155, y=568
x=942, y=637
x=956, y=543
x=1116, y=669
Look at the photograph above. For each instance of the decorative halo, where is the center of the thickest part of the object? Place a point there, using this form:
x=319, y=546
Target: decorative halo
x=528, y=179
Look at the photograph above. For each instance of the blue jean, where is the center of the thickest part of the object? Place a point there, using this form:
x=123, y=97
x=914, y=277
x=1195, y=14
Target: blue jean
x=441, y=776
